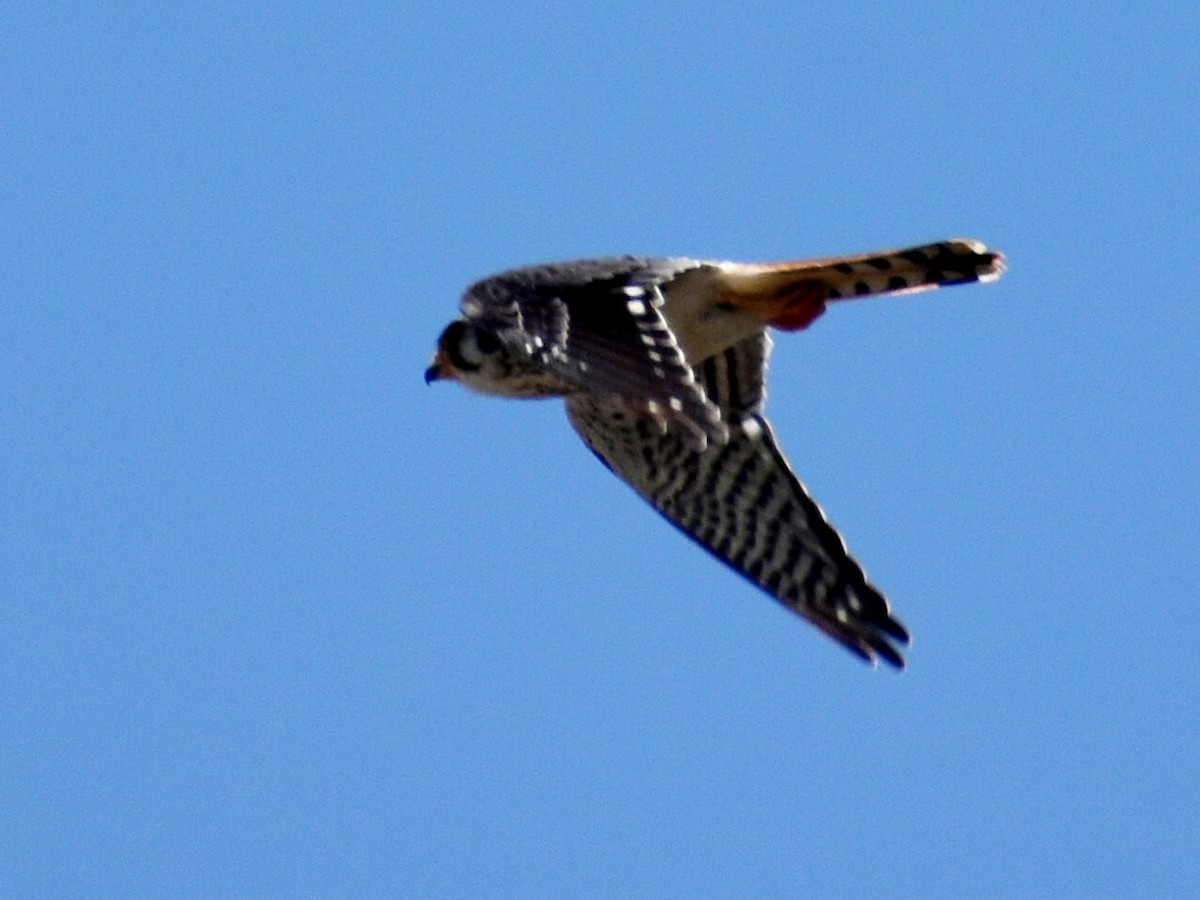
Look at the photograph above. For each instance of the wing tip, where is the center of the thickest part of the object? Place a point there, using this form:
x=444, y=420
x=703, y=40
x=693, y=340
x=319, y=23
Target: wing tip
x=873, y=637
x=872, y=647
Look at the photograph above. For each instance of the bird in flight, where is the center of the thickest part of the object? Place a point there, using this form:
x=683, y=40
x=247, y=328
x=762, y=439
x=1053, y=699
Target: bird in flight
x=662, y=363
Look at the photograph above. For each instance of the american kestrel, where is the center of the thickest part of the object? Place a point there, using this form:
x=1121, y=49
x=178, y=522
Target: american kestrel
x=662, y=363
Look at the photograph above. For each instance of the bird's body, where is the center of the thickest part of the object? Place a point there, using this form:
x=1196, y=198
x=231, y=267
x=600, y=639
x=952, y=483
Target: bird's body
x=663, y=362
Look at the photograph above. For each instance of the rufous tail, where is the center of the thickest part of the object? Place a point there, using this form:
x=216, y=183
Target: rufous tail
x=790, y=295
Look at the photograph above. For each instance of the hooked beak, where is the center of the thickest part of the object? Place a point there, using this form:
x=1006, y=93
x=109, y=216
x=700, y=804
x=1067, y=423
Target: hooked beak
x=437, y=369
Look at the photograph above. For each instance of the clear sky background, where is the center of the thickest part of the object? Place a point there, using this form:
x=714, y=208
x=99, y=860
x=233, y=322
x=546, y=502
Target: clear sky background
x=276, y=619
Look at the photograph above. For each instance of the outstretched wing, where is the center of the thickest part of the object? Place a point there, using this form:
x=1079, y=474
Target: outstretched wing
x=743, y=503
x=604, y=335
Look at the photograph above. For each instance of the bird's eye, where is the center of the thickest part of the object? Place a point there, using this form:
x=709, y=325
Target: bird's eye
x=486, y=341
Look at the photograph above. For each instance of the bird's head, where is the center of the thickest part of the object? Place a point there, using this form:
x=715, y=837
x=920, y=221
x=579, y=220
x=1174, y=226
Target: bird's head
x=472, y=355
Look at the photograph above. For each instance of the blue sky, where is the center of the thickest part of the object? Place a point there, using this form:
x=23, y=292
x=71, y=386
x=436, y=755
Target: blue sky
x=278, y=620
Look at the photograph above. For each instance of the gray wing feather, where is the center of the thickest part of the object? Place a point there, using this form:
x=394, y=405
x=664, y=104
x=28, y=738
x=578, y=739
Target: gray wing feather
x=743, y=503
